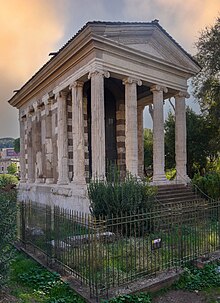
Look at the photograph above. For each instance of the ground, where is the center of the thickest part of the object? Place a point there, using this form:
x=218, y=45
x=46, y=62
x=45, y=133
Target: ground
x=172, y=296
x=180, y=296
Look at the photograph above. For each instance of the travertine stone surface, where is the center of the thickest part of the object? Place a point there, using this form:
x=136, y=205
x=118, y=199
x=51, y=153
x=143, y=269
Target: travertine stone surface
x=140, y=110
x=48, y=141
x=158, y=134
x=30, y=155
x=131, y=139
x=62, y=138
x=98, y=123
x=180, y=136
x=78, y=132
x=38, y=144
x=22, y=149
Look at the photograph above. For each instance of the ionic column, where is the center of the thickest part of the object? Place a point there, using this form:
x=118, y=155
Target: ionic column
x=140, y=141
x=131, y=127
x=48, y=141
x=180, y=137
x=38, y=144
x=62, y=139
x=22, y=149
x=30, y=156
x=98, y=123
x=158, y=134
x=78, y=132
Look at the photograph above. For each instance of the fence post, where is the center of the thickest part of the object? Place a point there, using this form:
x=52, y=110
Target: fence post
x=23, y=227
x=48, y=236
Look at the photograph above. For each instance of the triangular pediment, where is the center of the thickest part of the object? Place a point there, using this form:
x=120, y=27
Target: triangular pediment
x=150, y=39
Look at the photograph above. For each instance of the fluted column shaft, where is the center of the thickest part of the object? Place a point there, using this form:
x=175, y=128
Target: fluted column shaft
x=30, y=134
x=158, y=134
x=98, y=123
x=131, y=127
x=48, y=141
x=62, y=138
x=78, y=132
x=180, y=136
x=140, y=141
x=22, y=150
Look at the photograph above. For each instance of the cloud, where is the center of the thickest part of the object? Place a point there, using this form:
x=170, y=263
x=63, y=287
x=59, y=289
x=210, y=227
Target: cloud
x=183, y=20
x=29, y=30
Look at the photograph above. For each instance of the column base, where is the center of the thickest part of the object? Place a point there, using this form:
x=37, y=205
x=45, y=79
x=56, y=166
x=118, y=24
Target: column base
x=39, y=180
x=185, y=179
x=160, y=179
x=49, y=181
x=79, y=181
x=63, y=182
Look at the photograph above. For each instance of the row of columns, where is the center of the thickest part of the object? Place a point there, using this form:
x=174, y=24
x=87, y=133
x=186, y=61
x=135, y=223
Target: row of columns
x=132, y=133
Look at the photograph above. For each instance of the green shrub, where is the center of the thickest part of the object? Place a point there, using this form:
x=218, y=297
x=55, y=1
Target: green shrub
x=141, y=297
x=114, y=197
x=198, y=279
x=7, y=232
x=209, y=184
x=7, y=180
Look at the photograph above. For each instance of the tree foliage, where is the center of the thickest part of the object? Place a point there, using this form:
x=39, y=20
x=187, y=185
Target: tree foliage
x=7, y=232
x=17, y=145
x=12, y=169
x=7, y=181
x=148, y=149
x=6, y=142
x=207, y=83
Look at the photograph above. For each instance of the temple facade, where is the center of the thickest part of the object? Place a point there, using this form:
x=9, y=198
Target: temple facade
x=84, y=109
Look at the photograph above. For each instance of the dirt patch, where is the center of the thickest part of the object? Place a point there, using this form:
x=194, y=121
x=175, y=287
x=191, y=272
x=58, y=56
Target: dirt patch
x=5, y=297
x=180, y=296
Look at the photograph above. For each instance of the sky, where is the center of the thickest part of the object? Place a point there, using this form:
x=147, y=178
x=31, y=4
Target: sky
x=31, y=29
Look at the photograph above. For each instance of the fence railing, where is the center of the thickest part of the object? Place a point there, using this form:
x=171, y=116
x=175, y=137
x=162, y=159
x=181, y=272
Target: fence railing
x=108, y=252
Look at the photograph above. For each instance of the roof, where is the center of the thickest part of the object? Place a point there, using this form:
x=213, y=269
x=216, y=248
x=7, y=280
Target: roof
x=154, y=23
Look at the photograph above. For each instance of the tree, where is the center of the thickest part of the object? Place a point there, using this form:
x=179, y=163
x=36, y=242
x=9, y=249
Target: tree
x=207, y=83
x=148, y=148
x=12, y=169
x=199, y=138
x=17, y=145
x=7, y=232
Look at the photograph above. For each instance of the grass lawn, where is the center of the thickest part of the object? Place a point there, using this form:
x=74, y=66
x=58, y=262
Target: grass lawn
x=31, y=283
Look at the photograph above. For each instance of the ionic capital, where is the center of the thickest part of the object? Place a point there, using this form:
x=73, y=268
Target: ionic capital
x=61, y=94
x=182, y=94
x=131, y=80
x=101, y=73
x=76, y=84
x=30, y=110
x=158, y=88
x=47, y=100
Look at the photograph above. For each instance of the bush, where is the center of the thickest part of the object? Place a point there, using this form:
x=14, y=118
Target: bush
x=7, y=232
x=141, y=297
x=114, y=197
x=7, y=180
x=209, y=184
x=198, y=279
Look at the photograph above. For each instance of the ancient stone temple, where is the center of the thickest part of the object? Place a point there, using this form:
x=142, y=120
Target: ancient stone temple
x=84, y=109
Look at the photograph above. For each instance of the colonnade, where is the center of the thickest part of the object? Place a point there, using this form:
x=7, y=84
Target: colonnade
x=44, y=127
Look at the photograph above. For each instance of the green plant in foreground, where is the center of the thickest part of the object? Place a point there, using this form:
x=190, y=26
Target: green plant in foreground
x=114, y=197
x=6, y=179
x=7, y=232
x=199, y=279
x=40, y=284
x=141, y=297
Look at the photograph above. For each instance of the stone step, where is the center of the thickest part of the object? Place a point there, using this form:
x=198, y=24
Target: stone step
x=175, y=194
x=176, y=200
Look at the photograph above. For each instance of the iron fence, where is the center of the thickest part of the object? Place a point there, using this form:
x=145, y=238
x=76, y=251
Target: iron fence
x=108, y=252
